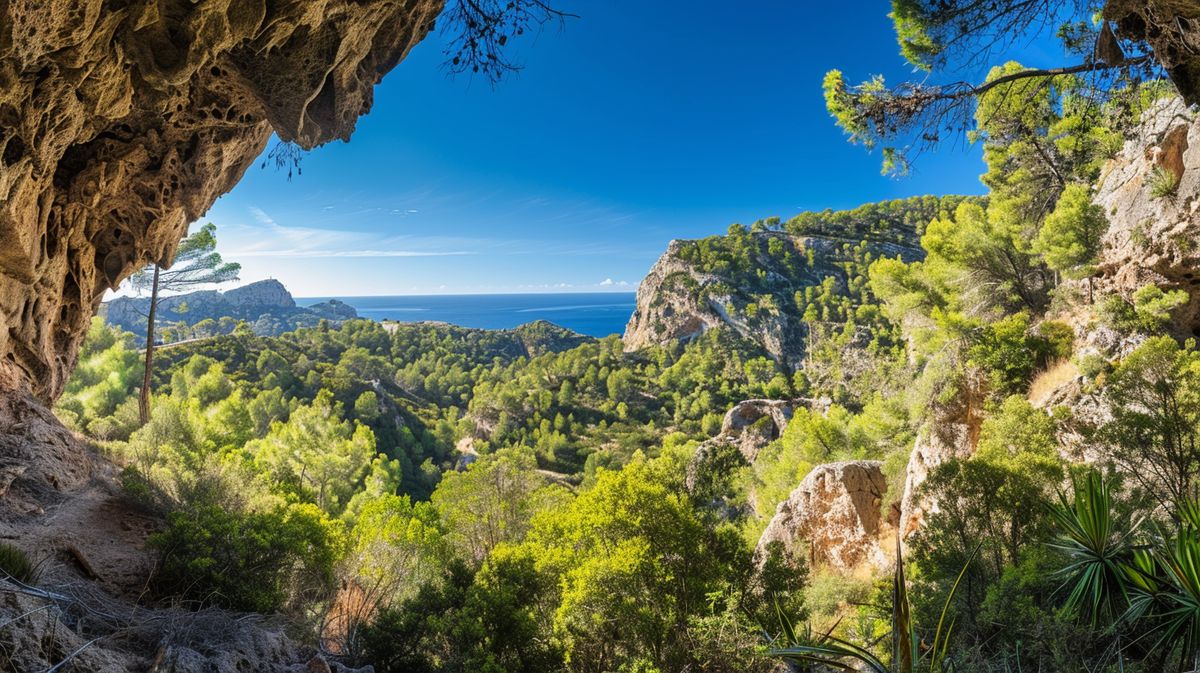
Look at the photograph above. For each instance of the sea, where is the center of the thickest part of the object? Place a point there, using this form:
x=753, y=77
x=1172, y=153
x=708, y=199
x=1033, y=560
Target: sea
x=597, y=314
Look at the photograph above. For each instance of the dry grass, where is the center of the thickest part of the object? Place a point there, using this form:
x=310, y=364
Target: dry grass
x=1056, y=375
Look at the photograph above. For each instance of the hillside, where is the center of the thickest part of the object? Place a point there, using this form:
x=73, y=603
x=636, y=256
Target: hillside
x=945, y=434
x=810, y=400
x=266, y=306
x=779, y=284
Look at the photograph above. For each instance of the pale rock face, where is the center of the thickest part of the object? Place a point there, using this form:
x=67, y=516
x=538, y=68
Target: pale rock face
x=262, y=293
x=744, y=426
x=950, y=432
x=835, y=511
x=1155, y=239
x=121, y=122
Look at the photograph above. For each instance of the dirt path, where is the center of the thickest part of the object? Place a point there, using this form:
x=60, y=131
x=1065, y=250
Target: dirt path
x=92, y=532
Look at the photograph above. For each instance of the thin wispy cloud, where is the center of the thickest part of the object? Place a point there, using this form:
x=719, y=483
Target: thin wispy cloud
x=269, y=238
x=351, y=253
x=262, y=216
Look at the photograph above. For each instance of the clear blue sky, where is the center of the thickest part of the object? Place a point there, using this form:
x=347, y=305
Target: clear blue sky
x=636, y=124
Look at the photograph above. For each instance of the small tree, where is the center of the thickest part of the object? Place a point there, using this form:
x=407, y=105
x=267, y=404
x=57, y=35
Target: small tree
x=1070, y=236
x=197, y=263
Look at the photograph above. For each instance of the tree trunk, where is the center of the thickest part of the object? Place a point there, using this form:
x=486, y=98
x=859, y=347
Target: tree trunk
x=144, y=399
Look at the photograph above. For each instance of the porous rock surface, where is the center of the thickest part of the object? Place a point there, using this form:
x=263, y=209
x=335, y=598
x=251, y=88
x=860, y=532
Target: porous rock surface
x=121, y=122
x=752, y=424
x=835, y=511
x=1172, y=29
x=1155, y=239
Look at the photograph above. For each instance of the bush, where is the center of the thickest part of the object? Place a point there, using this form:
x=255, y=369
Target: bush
x=1149, y=311
x=15, y=564
x=1163, y=182
x=256, y=561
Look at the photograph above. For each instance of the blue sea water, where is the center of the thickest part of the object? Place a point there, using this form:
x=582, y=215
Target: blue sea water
x=596, y=314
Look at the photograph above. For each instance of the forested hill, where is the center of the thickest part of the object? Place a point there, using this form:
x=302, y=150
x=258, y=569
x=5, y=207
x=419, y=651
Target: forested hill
x=930, y=369
x=781, y=284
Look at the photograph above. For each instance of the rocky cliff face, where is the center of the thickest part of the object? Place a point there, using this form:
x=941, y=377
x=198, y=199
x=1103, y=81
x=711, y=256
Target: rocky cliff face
x=1154, y=227
x=121, y=122
x=679, y=300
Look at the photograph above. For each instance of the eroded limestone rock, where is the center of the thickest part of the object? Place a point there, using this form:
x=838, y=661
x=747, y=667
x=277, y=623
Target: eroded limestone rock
x=121, y=122
x=1172, y=29
x=752, y=424
x=835, y=511
x=1155, y=238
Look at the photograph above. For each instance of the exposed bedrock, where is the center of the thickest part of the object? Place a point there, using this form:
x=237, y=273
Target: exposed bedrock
x=834, y=516
x=1172, y=29
x=121, y=122
x=1150, y=193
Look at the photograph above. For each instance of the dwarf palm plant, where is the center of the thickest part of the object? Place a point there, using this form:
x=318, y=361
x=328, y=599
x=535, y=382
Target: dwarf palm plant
x=1153, y=588
x=1178, y=620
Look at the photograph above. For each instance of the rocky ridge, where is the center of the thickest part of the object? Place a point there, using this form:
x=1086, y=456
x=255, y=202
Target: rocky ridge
x=266, y=305
x=678, y=300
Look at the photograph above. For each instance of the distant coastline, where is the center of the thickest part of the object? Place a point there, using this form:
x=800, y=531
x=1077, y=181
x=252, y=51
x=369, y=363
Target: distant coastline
x=597, y=314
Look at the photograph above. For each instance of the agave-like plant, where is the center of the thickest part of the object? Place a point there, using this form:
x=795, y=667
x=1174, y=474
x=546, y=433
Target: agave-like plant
x=1179, y=619
x=1153, y=586
x=1097, y=571
x=832, y=652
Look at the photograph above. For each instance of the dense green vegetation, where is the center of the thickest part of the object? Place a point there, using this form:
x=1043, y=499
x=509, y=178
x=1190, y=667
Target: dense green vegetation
x=432, y=498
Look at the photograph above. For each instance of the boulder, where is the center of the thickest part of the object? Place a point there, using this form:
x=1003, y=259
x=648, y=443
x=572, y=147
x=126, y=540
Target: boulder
x=752, y=424
x=834, y=514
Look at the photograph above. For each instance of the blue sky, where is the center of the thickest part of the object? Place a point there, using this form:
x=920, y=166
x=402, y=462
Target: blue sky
x=636, y=124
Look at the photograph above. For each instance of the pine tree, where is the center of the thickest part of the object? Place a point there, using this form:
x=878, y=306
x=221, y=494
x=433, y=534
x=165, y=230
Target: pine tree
x=197, y=263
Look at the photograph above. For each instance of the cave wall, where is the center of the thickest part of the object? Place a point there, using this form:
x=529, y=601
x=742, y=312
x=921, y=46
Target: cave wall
x=1172, y=29
x=122, y=121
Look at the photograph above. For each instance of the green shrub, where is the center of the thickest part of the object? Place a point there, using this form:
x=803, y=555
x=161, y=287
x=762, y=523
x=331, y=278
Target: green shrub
x=1149, y=311
x=256, y=561
x=1092, y=365
x=1163, y=182
x=15, y=564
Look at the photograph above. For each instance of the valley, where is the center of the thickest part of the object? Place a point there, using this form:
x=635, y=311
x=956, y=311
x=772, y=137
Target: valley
x=952, y=424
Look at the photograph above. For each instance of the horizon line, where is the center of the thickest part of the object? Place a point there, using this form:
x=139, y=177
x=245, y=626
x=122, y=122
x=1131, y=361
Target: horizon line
x=630, y=290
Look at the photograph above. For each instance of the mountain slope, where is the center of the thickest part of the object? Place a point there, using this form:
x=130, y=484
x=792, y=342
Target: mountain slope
x=777, y=283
